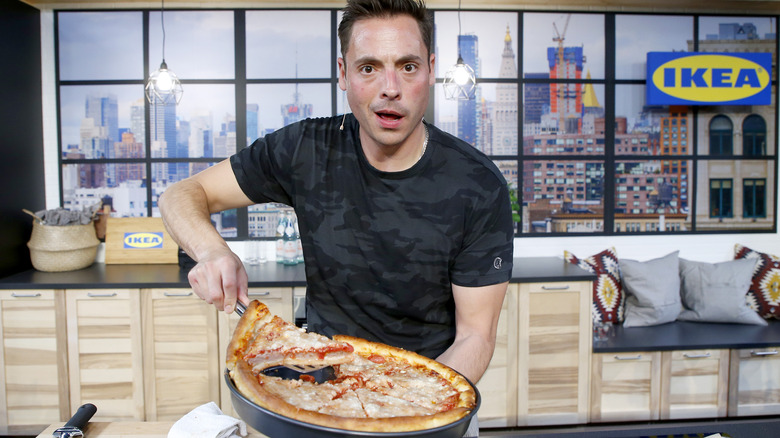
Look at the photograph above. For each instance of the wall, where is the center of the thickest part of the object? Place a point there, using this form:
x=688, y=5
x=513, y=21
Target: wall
x=21, y=129
x=708, y=248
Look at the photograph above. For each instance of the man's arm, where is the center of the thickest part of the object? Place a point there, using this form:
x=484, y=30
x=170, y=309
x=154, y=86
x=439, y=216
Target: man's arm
x=476, y=319
x=186, y=207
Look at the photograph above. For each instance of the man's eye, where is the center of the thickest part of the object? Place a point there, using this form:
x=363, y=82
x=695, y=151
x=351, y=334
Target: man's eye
x=366, y=69
x=410, y=68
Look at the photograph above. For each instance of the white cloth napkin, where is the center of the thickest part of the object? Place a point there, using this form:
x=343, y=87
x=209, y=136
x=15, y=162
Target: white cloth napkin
x=207, y=421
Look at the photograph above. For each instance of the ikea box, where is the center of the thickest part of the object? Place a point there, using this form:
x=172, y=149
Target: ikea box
x=139, y=240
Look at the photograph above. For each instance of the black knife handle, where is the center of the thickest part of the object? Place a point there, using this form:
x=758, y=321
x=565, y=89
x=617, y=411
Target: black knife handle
x=82, y=416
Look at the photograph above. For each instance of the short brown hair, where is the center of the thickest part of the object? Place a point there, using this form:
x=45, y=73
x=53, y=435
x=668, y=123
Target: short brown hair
x=362, y=9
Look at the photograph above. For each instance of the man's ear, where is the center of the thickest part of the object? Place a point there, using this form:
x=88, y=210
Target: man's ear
x=342, y=74
x=432, y=70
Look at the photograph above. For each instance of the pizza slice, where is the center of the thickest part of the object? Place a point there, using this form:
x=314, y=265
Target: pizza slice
x=263, y=340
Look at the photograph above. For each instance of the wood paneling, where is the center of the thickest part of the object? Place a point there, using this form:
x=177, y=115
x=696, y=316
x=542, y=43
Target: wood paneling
x=625, y=386
x=554, y=353
x=754, y=385
x=181, y=369
x=105, y=352
x=694, y=384
x=34, y=381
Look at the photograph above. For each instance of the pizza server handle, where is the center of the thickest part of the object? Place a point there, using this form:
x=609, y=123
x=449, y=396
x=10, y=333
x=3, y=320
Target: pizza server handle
x=77, y=422
x=240, y=308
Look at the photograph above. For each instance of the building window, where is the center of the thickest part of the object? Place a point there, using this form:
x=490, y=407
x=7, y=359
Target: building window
x=721, y=133
x=720, y=198
x=754, y=136
x=754, y=198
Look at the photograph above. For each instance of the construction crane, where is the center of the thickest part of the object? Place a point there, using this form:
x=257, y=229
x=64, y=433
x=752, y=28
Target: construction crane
x=560, y=70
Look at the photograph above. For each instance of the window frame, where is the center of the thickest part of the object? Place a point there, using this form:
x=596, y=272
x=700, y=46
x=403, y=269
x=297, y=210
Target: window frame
x=605, y=157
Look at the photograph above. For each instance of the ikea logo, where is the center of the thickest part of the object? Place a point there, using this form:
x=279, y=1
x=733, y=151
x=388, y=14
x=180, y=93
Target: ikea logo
x=699, y=78
x=143, y=240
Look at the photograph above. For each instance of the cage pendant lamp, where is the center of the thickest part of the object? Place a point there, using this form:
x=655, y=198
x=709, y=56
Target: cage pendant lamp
x=460, y=80
x=163, y=86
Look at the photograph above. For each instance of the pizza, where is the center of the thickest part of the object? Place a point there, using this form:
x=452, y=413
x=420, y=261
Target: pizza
x=377, y=387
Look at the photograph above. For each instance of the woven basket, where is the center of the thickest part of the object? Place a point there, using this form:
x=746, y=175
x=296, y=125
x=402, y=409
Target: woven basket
x=55, y=248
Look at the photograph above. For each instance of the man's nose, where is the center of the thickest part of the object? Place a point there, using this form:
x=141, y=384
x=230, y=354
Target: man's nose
x=392, y=88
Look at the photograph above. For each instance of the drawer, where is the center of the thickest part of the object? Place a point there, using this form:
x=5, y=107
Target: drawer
x=694, y=384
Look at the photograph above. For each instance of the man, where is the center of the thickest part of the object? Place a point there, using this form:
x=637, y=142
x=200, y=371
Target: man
x=406, y=230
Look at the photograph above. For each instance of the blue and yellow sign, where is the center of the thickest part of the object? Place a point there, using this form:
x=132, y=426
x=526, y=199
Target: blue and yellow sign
x=704, y=78
x=143, y=240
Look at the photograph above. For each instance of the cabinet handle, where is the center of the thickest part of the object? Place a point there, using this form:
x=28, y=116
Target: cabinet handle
x=697, y=356
x=33, y=295
x=637, y=357
x=763, y=353
x=259, y=294
x=565, y=287
x=172, y=294
x=105, y=295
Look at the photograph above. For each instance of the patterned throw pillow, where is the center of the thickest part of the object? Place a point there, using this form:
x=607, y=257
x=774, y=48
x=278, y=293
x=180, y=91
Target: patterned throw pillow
x=608, y=293
x=764, y=293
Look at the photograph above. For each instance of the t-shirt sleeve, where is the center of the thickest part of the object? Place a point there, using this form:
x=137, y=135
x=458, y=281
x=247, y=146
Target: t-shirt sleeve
x=486, y=256
x=263, y=168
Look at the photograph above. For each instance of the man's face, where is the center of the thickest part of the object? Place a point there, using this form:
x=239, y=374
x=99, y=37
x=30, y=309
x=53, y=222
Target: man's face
x=387, y=74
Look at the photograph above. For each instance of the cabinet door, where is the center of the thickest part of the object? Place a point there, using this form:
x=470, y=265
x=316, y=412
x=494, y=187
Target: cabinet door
x=105, y=352
x=498, y=386
x=180, y=350
x=694, y=384
x=754, y=384
x=554, y=353
x=279, y=301
x=625, y=386
x=34, y=380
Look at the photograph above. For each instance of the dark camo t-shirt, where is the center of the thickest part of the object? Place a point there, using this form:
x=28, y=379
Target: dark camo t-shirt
x=383, y=248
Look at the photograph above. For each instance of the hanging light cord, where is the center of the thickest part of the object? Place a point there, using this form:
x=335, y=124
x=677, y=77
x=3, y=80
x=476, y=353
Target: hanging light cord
x=162, y=22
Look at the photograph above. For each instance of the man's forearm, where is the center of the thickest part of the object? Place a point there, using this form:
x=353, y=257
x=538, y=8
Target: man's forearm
x=185, y=212
x=469, y=356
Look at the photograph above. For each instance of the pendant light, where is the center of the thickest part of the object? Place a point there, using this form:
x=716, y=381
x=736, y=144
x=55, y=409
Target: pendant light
x=460, y=80
x=163, y=86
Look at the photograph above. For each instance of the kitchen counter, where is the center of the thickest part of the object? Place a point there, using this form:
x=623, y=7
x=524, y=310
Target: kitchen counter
x=127, y=429
x=99, y=275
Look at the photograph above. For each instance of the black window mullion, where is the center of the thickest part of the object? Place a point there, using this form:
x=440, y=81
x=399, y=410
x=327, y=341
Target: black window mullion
x=609, y=131
x=239, y=29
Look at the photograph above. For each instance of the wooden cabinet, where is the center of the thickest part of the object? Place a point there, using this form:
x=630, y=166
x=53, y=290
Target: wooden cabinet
x=279, y=301
x=180, y=353
x=497, y=387
x=554, y=352
x=105, y=352
x=34, y=380
x=625, y=386
x=694, y=384
x=754, y=384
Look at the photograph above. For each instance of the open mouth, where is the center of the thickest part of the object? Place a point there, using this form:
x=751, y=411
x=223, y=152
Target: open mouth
x=389, y=116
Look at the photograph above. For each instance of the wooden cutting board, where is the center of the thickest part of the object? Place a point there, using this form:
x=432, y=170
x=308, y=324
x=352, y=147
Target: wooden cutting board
x=128, y=429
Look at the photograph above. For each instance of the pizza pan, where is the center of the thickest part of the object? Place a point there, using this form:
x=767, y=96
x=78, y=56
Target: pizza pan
x=276, y=425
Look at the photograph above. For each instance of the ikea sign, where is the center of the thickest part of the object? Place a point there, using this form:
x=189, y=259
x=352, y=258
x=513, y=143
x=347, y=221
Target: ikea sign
x=704, y=78
x=144, y=240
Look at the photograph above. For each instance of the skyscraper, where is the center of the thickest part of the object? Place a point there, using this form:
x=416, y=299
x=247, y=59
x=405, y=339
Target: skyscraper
x=468, y=114
x=505, y=109
x=566, y=99
x=297, y=110
x=162, y=117
x=103, y=109
x=252, y=119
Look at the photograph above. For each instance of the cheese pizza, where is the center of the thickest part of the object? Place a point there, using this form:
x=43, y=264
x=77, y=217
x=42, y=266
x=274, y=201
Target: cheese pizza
x=377, y=387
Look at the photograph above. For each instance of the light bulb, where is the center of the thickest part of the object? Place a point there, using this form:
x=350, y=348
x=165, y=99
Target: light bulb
x=461, y=75
x=164, y=81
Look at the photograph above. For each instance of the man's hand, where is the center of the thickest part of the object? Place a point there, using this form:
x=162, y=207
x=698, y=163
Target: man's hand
x=220, y=279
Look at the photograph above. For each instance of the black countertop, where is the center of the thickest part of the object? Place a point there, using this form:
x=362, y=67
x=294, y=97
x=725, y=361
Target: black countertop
x=686, y=335
x=99, y=275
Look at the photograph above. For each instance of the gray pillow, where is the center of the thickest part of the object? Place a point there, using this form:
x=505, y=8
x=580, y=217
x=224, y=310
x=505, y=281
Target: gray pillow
x=652, y=290
x=716, y=292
